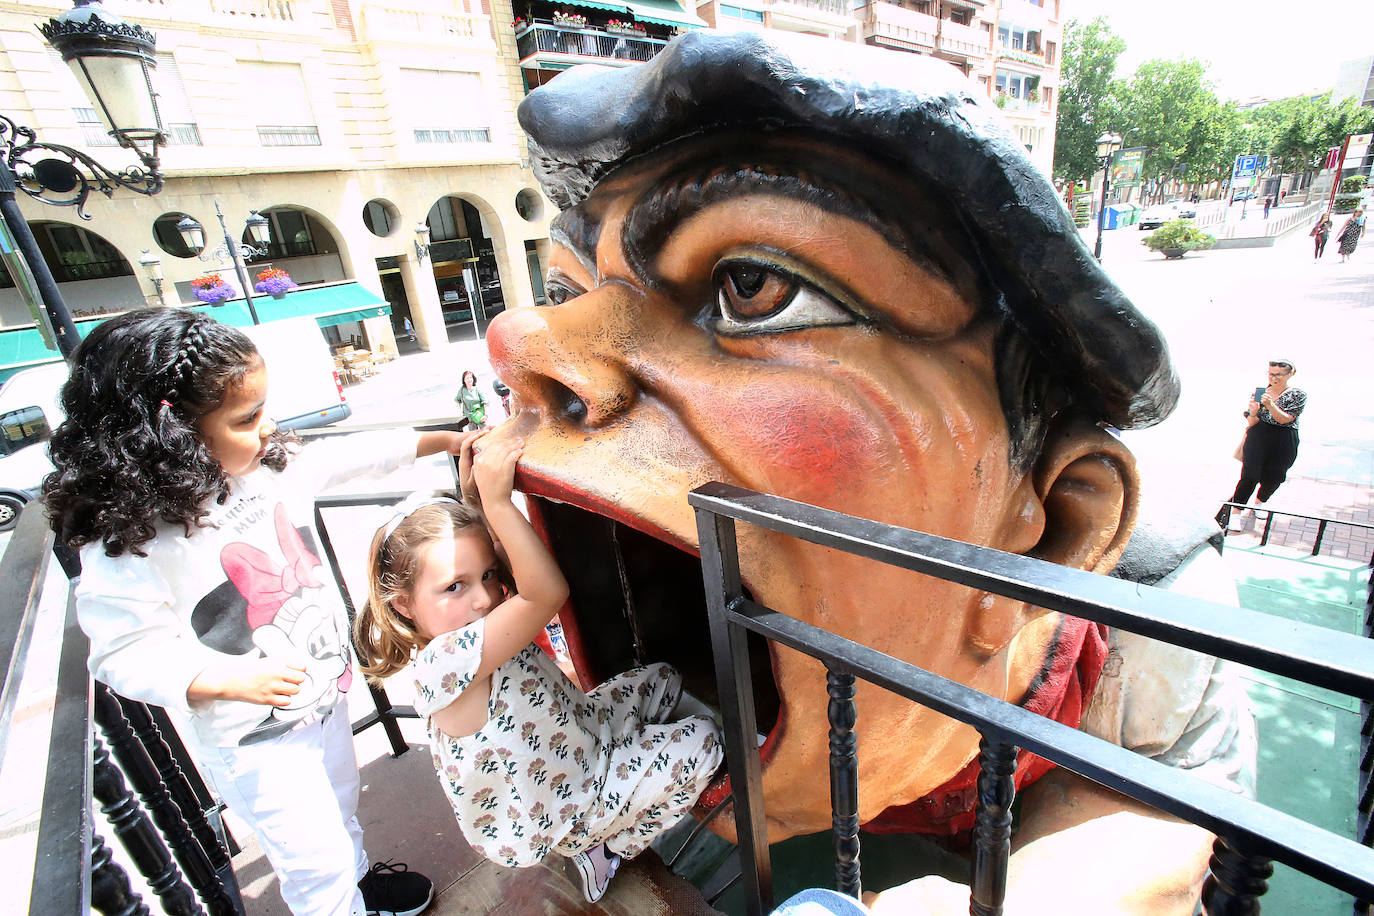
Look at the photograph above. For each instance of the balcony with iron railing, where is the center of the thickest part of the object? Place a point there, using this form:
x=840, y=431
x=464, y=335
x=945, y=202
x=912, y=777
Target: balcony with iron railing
x=896, y=26
x=544, y=42
x=964, y=40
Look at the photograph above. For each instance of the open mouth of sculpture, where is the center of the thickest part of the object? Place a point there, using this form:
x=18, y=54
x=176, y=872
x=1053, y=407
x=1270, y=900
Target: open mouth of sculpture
x=635, y=599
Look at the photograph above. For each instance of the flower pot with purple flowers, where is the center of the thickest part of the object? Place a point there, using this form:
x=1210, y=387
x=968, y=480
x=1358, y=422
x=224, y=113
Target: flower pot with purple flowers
x=212, y=289
x=275, y=282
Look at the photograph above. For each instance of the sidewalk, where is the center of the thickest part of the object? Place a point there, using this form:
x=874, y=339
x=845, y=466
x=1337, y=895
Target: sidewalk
x=1328, y=499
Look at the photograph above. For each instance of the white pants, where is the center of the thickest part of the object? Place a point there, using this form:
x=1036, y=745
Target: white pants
x=299, y=794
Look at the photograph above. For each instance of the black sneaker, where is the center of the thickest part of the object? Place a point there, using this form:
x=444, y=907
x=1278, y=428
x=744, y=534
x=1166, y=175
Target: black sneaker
x=392, y=889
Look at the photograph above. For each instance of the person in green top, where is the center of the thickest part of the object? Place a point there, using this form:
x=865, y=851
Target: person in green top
x=473, y=404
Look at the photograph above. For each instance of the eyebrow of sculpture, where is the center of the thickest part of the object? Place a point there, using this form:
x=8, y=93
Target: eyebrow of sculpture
x=656, y=215
x=577, y=230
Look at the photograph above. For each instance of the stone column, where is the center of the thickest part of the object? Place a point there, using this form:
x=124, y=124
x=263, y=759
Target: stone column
x=425, y=313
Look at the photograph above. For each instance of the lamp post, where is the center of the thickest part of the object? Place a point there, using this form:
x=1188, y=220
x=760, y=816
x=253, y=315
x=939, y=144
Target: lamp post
x=259, y=230
x=152, y=266
x=421, y=241
x=1107, y=144
x=113, y=61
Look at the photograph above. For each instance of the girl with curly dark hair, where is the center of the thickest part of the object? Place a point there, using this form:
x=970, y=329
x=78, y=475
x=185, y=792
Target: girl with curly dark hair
x=201, y=589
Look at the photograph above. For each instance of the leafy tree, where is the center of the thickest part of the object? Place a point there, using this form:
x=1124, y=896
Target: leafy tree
x=1086, y=104
x=1173, y=112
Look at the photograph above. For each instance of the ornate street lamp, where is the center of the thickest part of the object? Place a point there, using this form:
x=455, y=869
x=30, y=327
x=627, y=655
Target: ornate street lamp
x=152, y=265
x=113, y=61
x=421, y=241
x=1107, y=144
x=259, y=229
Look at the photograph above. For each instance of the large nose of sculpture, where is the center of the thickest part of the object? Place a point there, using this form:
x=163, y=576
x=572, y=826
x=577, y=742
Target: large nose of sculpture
x=567, y=361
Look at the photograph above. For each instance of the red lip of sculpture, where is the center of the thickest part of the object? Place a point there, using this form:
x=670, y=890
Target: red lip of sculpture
x=547, y=489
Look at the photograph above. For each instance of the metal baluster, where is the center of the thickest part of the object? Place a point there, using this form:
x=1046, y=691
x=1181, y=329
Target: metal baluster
x=1364, y=799
x=844, y=781
x=385, y=714
x=139, y=837
x=992, y=826
x=729, y=646
x=110, y=890
x=1321, y=533
x=159, y=781
x=1236, y=881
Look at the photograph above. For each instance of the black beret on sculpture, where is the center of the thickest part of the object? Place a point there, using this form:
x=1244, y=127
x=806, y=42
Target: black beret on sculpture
x=923, y=117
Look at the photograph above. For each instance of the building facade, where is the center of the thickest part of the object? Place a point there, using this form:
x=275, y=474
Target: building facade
x=347, y=123
x=351, y=123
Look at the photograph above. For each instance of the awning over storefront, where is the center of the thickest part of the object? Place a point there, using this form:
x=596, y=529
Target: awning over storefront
x=665, y=12
x=597, y=5
x=331, y=304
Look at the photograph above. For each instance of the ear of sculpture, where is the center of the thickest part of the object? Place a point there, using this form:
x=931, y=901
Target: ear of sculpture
x=1076, y=508
x=1088, y=484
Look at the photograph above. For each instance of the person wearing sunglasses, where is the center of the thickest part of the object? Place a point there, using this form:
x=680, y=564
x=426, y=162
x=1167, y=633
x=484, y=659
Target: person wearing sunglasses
x=1271, y=443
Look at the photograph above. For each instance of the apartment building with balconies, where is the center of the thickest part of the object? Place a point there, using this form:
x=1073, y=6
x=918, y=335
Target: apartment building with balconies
x=348, y=123
x=1010, y=47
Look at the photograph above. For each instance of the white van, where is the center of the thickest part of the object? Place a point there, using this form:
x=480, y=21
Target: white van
x=303, y=389
x=303, y=392
x=29, y=412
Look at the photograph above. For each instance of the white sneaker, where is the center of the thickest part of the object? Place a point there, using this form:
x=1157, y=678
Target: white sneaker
x=596, y=867
x=1241, y=520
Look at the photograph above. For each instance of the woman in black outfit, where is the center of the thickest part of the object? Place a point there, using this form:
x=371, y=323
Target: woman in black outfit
x=1271, y=443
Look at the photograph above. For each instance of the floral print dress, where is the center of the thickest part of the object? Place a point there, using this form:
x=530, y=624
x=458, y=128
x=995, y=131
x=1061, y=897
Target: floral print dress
x=556, y=769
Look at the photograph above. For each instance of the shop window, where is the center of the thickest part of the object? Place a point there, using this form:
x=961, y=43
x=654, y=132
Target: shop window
x=73, y=254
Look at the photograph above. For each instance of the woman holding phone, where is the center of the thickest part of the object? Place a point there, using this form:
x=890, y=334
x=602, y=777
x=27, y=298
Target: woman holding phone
x=1271, y=443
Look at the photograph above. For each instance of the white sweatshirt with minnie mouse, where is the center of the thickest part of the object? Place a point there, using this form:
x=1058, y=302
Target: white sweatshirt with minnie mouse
x=253, y=583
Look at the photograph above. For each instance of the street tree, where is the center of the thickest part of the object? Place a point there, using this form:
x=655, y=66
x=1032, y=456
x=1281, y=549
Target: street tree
x=1086, y=104
x=1174, y=113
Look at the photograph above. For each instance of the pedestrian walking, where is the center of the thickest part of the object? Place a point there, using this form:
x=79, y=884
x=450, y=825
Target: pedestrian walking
x=1351, y=233
x=410, y=329
x=1268, y=202
x=1270, y=445
x=1320, y=233
x=471, y=402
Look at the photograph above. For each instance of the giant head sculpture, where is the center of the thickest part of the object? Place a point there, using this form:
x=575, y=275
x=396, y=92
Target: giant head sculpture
x=830, y=274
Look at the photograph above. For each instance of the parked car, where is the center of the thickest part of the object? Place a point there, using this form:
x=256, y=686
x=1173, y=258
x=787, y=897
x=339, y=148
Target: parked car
x=1158, y=215
x=29, y=412
x=1187, y=210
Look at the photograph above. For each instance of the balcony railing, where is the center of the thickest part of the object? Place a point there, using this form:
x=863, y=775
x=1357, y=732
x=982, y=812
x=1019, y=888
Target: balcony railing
x=964, y=39
x=1250, y=835
x=829, y=7
x=896, y=26
x=546, y=38
x=1033, y=58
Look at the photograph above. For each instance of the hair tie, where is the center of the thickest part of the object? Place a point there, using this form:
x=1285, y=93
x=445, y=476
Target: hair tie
x=411, y=504
x=166, y=403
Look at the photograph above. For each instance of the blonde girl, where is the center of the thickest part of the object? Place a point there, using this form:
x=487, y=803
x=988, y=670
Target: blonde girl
x=530, y=763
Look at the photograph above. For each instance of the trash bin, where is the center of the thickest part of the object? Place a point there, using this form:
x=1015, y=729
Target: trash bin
x=1119, y=215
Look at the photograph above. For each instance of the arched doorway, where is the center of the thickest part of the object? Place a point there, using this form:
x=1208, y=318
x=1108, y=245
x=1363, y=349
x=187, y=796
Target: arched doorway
x=463, y=257
x=92, y=275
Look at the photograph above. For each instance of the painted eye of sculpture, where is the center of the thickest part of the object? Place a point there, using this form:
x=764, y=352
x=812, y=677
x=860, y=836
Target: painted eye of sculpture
x=753, y=296
x=560, y=290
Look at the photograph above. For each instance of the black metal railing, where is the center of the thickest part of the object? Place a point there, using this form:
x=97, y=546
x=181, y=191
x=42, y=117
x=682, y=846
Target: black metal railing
x=1250, y=836
x=1323, y=524
x=585, y=42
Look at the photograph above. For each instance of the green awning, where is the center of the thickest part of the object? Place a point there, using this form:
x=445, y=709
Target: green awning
x=334, y=303
x=326, y=304
x=597, y=5
x=665, y=12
